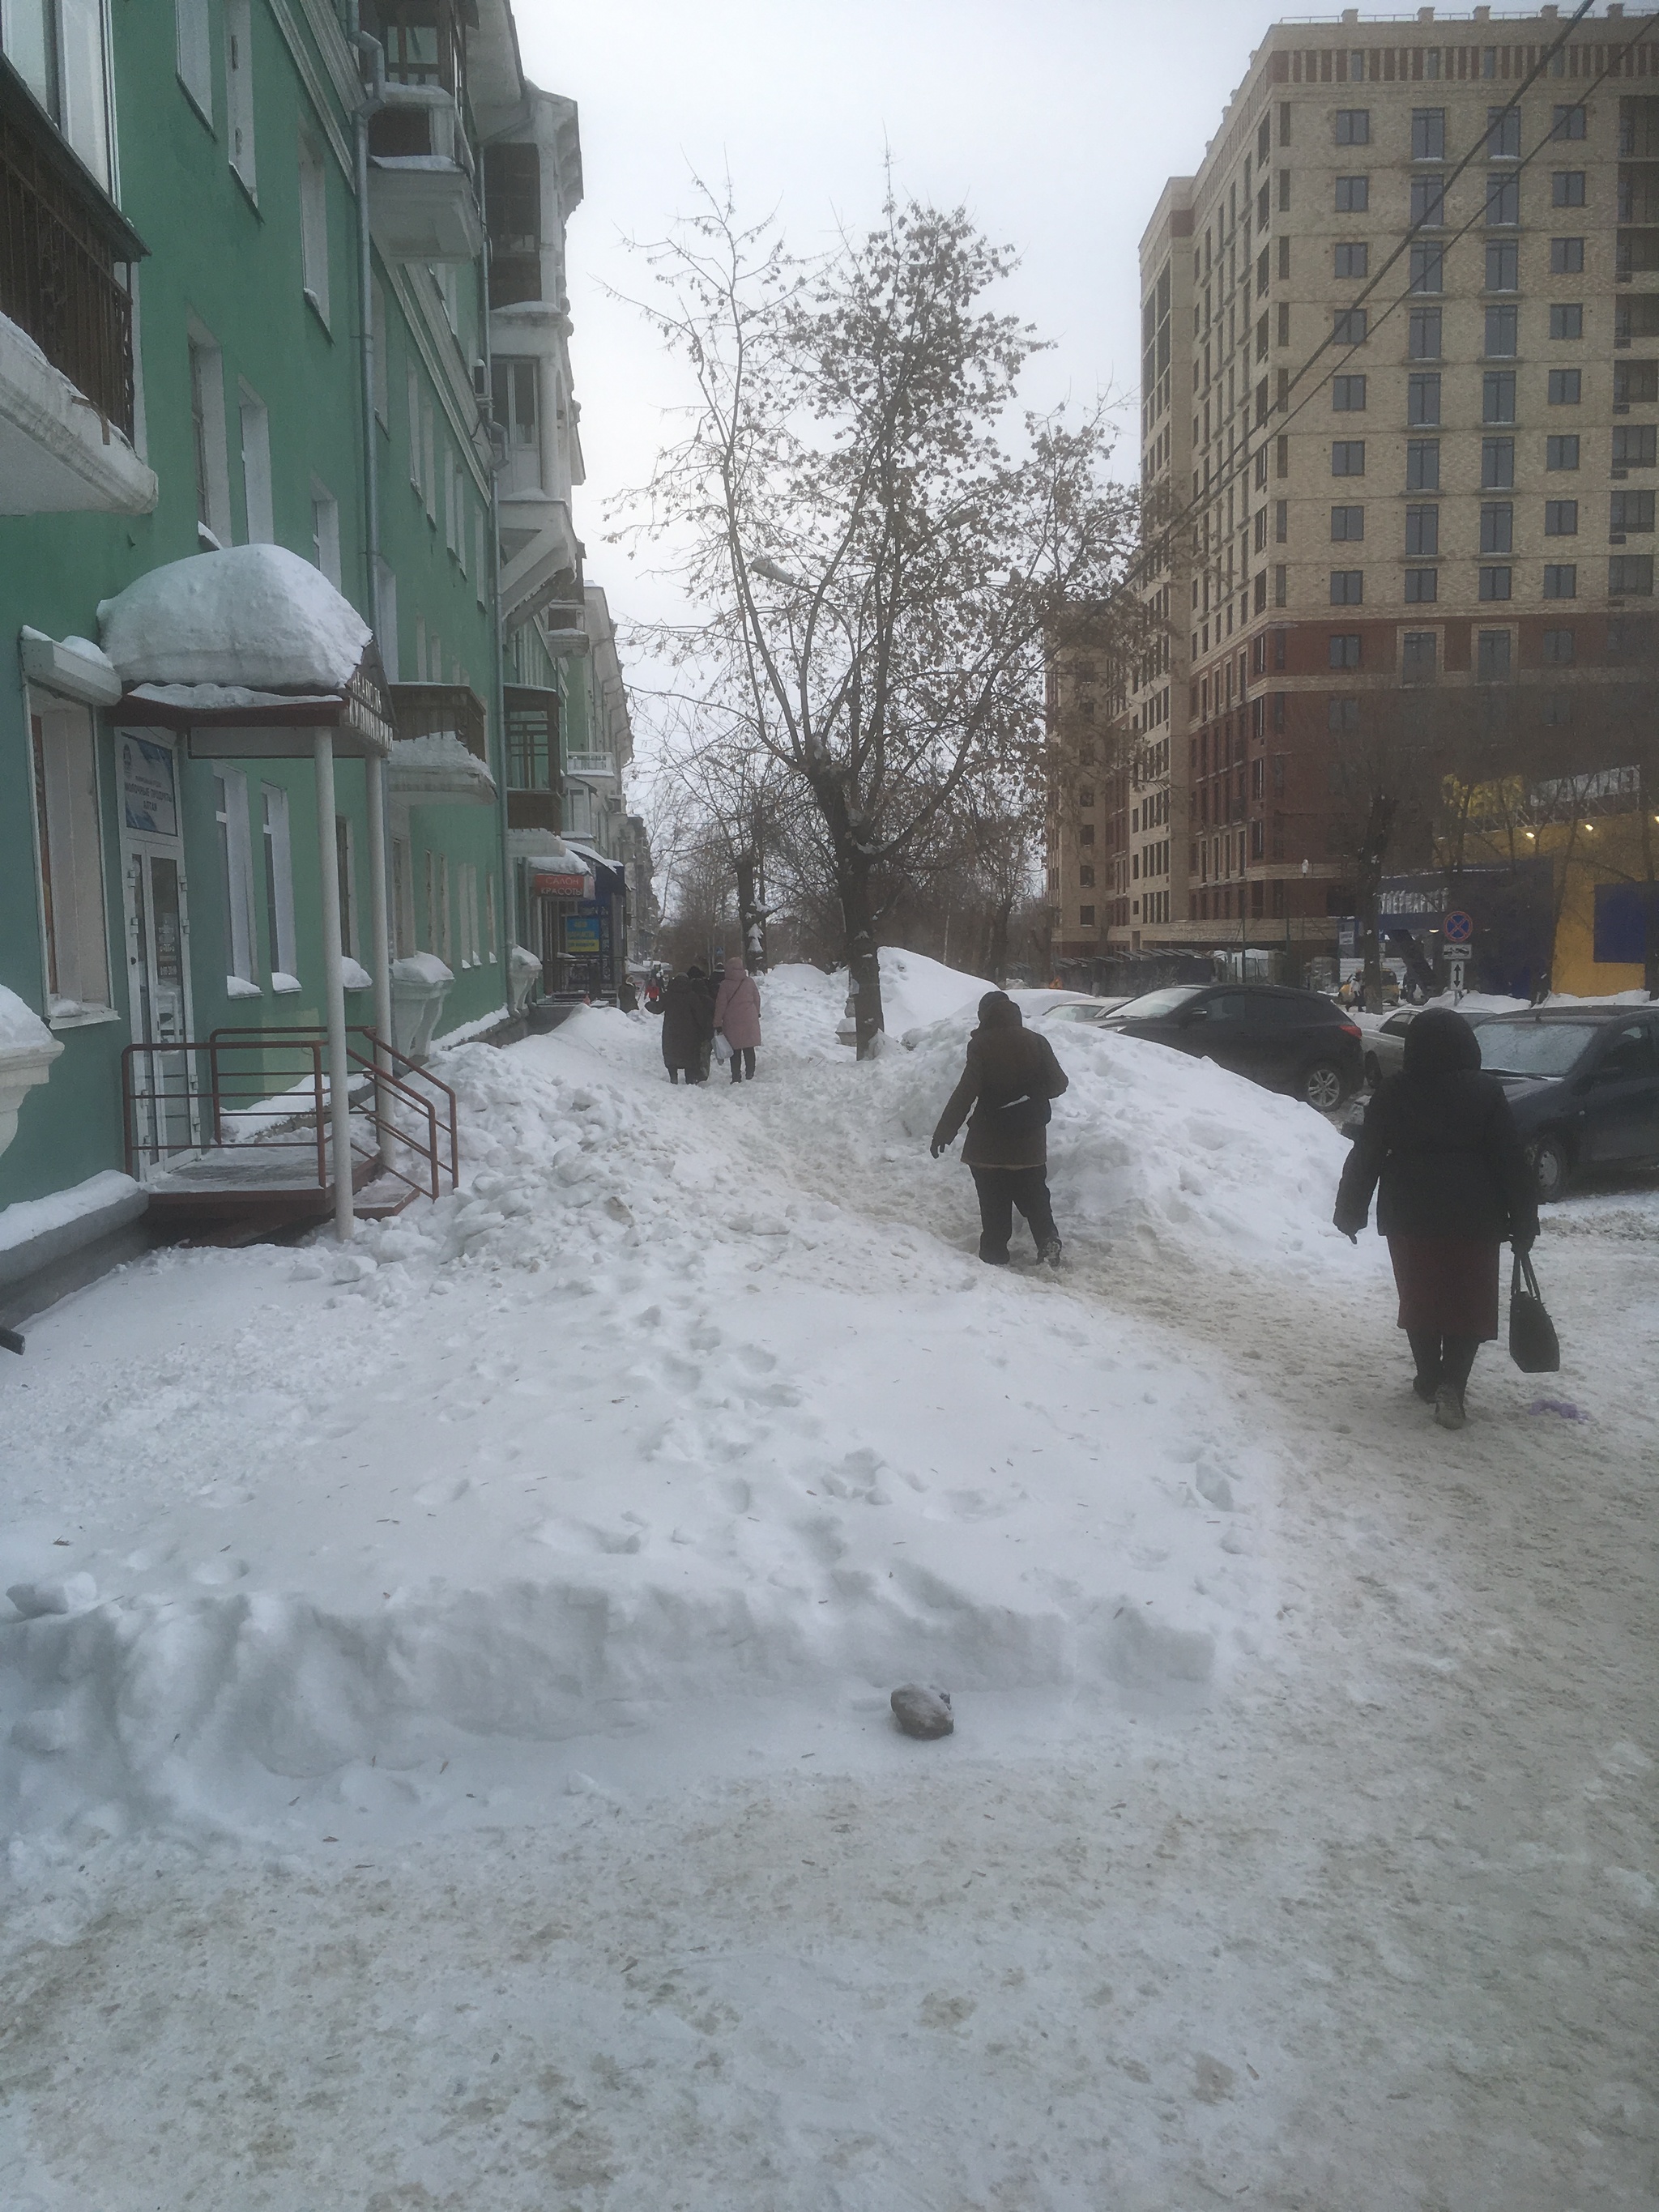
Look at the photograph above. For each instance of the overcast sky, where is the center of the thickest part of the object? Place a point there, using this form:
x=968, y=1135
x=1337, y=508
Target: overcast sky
x=1055, y=121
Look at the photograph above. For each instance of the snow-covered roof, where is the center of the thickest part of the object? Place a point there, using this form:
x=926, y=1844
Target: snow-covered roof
x=440, y=762
x=253, y=616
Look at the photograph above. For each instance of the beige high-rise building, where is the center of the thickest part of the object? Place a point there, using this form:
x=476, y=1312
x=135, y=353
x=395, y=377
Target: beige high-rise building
x=1401, y=386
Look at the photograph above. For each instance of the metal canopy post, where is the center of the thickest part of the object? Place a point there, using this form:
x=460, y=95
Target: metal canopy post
x=340, y=1081
x=375, y=770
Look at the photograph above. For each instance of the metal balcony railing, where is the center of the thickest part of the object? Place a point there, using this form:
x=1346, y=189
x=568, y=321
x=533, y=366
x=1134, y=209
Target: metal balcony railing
x=61, y=242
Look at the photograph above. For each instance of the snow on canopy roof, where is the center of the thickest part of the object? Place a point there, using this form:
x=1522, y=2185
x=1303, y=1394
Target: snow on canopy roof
x=256, y=617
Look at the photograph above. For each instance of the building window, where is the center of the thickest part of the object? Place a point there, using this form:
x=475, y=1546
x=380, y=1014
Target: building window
x=1348, y=395
x=1630, y=575
x=1567, y=319
x=1634, y=446
x=1354, y=195
x=1567, y=256
x=1281, y=522
x=1348, y=458
x=1567, y=188
x=1429, y=201
x=1503, y=265
x=1502, y=201
x=1419, y=652
x=207, y=413
x=1560, y=580
x=1635, y=384
x=1495, y=583
x=1422, y=533
x=1342, y=717
x=346, y=872
x=1422, y=465
x=1502, y=134
x=255, y=418
x=1491, y=655
x=1563, y=452
x=326, y=532
x=238, y=88
x=1496, y=526
x=1428, y=134
x=428, y=457
x=1423, y=342
x=1343, y=650
x=314, y=224
x=1559, y=647
x=1497, y=464
x=1422, y=586
x=1085, y=877
x=1348, y=326
x=279, y=889
x=1428, y=266
x=1497, y=396
x=1631, y=511
x=1085, y=916
x=1503, y=333
x=1569, y=122
x=73, y=926
x=1352, y=258
x=1354, y=126
x=1564, y=386
x=1347, y=522
x=235, y=876
x=1560, y=517
x=1347, y=587
x=193, y=45
x=382, y=378
x=1423, y=397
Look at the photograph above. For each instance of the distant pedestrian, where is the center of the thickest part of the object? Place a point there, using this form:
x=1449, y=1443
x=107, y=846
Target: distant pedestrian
x=1009, y=1078
x=627, y=998
x=737, y=1016
x=688, y=1023
x=1439, y=1147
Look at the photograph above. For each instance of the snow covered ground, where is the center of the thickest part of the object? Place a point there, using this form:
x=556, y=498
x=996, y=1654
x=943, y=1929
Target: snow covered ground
x=443, y=1728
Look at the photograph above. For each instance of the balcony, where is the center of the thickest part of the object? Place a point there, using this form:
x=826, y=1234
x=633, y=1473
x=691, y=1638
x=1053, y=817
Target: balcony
x=541, y=557
x=66, y=369
x=440, y=756
x=590, y=767
x=422, y=202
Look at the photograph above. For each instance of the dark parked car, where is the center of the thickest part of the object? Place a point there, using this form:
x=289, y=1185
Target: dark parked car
x=1584, y=1085
x=1294, y=1040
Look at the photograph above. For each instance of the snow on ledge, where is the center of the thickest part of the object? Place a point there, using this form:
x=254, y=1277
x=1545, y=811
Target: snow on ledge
x=254, y=616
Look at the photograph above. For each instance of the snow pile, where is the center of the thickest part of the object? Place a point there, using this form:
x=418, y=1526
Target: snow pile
x=253, y=615
x=438, y=761
x=1150, y=1143
x=806, y=1004
x=625, y=1426
x=31, y=1218
x=21, y=1029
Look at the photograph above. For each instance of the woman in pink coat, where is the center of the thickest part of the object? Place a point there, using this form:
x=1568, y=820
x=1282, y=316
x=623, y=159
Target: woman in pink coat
x=737, y=1016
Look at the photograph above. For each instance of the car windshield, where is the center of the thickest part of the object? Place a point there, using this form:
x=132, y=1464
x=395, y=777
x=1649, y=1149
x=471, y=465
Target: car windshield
x=1154, y=1005
x=1532, y=1047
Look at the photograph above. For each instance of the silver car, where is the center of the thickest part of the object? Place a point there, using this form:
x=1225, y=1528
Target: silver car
x=1385, y=1046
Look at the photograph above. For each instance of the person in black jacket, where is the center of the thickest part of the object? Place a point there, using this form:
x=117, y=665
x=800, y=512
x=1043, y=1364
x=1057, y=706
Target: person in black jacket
x=1011, y=1075
x=1440, y=1147
x=687, y=1023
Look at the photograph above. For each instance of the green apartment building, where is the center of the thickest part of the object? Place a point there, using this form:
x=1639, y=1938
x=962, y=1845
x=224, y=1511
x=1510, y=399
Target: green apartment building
x=272, y=520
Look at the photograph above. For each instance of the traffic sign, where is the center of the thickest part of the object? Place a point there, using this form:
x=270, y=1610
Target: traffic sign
x=1459, y=928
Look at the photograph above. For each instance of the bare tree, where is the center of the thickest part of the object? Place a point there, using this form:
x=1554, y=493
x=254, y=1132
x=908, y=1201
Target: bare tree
x=875, y=563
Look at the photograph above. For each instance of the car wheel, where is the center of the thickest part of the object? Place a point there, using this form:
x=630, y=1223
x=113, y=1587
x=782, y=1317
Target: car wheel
x=1373, y=1071
x=1323, y=1086
x=1552, y=1167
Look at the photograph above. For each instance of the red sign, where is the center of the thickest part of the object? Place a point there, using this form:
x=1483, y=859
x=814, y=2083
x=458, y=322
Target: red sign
x=548, y=886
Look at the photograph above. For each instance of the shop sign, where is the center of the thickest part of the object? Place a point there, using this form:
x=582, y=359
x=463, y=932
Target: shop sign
x=545, y=884
x=582, y=940
x=149, y=794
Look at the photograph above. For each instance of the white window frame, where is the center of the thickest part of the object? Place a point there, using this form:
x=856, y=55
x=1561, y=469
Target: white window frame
x=326, y=530
x=276, y=836
x=236, y=880
x=193, y=42
x=314, y=224
x=69, y=884
x=207, y=397
x=255, y=419
x=239, y=92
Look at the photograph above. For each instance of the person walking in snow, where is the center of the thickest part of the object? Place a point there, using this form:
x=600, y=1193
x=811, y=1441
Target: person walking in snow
x=737, y=1016
x=1010, y=1077
x=1440, y=1147
x=688, y=1023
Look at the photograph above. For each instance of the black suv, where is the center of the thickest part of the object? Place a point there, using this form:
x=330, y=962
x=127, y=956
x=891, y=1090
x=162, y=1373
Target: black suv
x=1294, y=1040
x=1584, y=1083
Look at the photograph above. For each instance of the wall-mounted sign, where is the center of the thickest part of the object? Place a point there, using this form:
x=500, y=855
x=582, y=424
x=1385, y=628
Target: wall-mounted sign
x=582, y=939
x=545, y=884
x=150, y=795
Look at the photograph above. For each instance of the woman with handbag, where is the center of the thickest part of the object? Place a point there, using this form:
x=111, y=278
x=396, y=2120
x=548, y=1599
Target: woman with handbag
x=1010, y=1077
x=737, y=1018
x=1439, y=1147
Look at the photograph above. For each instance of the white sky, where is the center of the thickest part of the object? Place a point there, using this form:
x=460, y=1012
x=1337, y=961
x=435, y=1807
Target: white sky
x=1056, y=122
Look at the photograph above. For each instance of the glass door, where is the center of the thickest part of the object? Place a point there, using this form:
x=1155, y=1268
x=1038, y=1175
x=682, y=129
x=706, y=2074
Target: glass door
x=158, y=953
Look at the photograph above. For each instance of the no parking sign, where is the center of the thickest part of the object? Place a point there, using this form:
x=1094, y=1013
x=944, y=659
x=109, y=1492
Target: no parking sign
x=1458, y=927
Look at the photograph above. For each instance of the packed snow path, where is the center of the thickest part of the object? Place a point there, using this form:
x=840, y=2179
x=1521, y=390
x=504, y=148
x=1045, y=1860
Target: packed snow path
x=551, y=1568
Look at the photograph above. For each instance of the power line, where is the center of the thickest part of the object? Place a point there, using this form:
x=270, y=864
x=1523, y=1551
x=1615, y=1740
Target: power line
x=1196, y=507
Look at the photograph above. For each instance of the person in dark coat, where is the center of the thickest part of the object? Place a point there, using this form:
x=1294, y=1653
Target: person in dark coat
x=687, y=1023
x=1440, y=1147
x=1010, y=1077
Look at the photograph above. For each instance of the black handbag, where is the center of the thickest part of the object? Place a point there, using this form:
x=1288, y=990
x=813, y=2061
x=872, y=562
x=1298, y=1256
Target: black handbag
x=1534, y=1345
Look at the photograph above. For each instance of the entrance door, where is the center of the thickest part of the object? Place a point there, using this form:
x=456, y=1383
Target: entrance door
x=158, y=949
